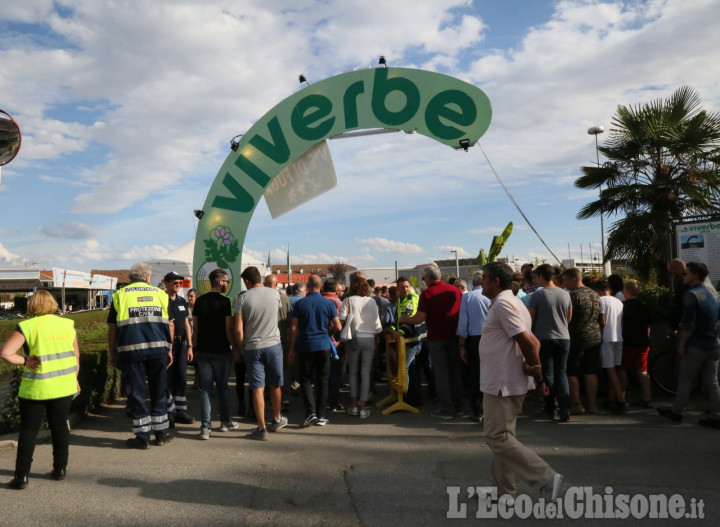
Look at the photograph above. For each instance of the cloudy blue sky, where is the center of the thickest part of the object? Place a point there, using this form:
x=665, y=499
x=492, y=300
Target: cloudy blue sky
x=127, y=109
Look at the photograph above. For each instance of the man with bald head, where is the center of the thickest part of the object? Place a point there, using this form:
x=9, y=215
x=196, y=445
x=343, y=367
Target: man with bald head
x=308, y=338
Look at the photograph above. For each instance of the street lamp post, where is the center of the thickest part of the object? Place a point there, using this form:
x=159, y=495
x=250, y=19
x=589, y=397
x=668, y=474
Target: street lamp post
x=457, y=265
x=597, y=130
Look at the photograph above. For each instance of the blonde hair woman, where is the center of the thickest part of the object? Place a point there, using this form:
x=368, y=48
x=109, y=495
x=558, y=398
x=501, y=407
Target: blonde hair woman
x=50, y=358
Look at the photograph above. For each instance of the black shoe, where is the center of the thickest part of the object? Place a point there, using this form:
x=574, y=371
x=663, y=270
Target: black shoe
x=619, y=407
x=564, y=416
x=669, y=414
x=19, y=482
x=58, y=474
x=184, y=419
x=712, y=423
x=160, y=441
x=137, y=443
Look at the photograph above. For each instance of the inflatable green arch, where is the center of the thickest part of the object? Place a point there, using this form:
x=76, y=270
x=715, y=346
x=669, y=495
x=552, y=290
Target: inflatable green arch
x=438, y=106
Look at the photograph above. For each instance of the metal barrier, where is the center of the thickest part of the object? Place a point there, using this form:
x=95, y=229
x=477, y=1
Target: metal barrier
x=397, y=377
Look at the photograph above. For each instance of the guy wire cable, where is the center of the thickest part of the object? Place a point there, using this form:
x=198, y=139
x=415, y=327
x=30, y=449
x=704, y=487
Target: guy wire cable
x=516, y=205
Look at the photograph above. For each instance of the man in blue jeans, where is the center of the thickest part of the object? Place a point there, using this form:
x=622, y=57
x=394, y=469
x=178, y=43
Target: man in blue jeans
x=698, y=346
x=257, y=336
x=212, y=338
x=310, y=319
x=551, y=311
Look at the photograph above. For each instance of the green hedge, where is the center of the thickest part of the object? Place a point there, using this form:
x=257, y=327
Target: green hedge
x=99, y=382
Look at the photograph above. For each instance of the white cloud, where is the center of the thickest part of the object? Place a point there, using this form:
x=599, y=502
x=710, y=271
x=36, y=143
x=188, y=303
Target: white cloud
x=255, y=255
x=497, y=231
x=8, y=258
x=95, y=251
x=384, y=245
x=462, y=253
x=49, y=232
x=73, y=230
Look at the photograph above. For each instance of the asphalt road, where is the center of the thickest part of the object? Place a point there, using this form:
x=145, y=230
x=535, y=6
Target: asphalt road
x=384, y=470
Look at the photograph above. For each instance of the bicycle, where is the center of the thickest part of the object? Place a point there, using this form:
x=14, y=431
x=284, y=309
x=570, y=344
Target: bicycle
x=664, y=370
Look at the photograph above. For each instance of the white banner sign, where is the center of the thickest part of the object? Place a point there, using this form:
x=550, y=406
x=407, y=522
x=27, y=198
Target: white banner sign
x=309, y=176
x=700, y=242
x=79, y=280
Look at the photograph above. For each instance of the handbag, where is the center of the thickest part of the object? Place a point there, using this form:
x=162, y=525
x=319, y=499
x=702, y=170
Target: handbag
x=346, y=332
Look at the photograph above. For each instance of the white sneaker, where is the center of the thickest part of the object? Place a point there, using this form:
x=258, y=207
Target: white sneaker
x=204, y=433
x=229, y=425
x=310, y=420
x=364, y=414
x=321, y=421
x=353, y=410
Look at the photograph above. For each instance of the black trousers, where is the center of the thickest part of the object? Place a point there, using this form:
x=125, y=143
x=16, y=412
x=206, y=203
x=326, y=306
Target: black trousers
x=32, y=413
x=472, y=370
x=315, y=372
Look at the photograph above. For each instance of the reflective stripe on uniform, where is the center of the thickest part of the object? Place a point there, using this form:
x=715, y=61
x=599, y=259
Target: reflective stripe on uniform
x=141, y=425
x=32, y=375
x=160, y=422
x=55, y=356
x=142, y=320
x=144, y=345
x=180, y=403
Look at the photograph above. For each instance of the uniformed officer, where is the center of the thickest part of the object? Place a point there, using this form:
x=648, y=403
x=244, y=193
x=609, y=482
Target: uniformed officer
x=139, y=343
x=182, y=351
x=407, y=304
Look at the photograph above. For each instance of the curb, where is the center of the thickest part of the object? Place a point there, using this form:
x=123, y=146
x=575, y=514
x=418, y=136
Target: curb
x=9, y=441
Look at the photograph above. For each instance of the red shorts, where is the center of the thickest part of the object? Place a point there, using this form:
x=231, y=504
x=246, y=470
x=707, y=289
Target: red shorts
x=634, y=358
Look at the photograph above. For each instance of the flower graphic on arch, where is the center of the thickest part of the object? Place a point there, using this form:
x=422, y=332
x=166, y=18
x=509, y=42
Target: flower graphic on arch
x=221, y=247
x=223, y=234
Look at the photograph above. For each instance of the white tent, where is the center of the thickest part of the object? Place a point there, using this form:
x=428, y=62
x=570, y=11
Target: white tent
x=181, y=261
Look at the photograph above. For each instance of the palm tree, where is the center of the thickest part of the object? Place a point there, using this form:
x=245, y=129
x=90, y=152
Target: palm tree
x=663, y=164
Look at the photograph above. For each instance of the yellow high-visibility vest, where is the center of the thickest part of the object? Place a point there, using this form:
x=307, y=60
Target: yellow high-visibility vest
x=50, y=338
x=143, y=329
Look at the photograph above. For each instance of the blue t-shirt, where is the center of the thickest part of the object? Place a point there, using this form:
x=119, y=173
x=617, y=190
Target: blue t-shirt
x=314, y=313
x=699, y=316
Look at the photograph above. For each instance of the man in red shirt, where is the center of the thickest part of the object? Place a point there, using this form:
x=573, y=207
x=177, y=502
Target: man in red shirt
x=439, y=308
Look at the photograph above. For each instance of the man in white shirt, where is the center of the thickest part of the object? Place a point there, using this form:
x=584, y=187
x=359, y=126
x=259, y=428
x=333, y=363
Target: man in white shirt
x=611, y=311
x=509, y=353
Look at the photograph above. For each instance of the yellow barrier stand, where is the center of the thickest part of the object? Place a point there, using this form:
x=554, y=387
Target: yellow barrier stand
x=397, y=377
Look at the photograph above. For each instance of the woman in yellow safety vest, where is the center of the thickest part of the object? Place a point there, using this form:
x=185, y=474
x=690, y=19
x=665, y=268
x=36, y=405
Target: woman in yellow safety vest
x=50, y=360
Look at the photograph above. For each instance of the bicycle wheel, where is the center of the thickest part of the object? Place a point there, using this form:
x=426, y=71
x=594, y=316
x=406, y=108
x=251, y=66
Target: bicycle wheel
x=663, y=370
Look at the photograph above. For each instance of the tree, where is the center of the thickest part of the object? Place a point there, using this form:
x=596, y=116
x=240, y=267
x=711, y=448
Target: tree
x=496, y=247
x=663, y=164
x=338, y=271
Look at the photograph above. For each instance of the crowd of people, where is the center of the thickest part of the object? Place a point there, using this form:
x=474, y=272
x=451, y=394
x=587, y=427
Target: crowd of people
x=481, y=348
